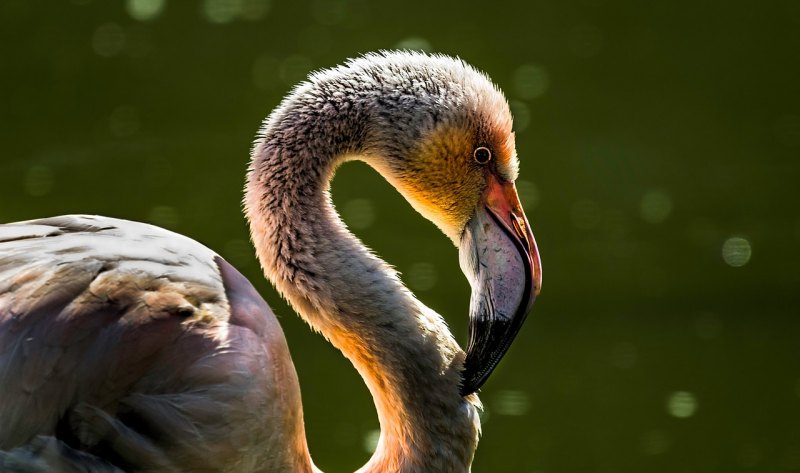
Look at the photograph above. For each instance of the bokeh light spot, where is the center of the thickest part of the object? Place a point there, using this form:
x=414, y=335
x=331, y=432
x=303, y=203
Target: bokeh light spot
x=164, y=216
x=415, y=43
x=521, y=114
x=358, y=213
x=371, y=438
x=39, y=180
x=531, y=81
x=511, y=403
x=422, y=276
x=528, y=194
x=108, y=40
x=144, y=10
x=736, y=251
x=221, y=11
x=681, y=404
x=655, y=206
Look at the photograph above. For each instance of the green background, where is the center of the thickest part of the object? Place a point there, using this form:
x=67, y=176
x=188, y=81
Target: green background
x=659, y=145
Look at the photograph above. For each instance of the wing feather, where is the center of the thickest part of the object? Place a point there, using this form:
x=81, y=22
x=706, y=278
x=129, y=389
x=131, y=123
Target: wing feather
x=119, y=346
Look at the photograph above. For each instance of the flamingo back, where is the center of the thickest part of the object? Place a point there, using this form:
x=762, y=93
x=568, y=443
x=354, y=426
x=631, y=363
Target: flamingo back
x=126, y=345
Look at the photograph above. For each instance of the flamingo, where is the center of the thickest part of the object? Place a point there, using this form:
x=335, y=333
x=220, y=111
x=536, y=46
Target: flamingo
x=126, y=347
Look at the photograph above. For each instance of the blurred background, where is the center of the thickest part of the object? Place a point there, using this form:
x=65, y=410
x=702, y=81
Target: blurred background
x=660, y=146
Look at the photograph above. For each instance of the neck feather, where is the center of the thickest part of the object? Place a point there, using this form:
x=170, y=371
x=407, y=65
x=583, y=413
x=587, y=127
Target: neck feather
x=403, y=350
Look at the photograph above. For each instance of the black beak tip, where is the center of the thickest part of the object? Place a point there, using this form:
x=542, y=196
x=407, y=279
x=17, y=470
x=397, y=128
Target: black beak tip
x=477, y=368
x=489, y=342
x=469, y=383
x=470, y=386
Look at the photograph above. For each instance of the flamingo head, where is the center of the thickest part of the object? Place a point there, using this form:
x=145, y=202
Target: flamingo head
x=453, y=157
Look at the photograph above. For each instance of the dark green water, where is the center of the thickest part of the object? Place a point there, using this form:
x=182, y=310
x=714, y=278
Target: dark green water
x=660, y=146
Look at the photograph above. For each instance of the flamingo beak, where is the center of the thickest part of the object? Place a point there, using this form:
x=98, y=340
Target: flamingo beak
x=498, y=254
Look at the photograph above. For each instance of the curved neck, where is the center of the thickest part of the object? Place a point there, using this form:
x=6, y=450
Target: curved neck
x=403, y=350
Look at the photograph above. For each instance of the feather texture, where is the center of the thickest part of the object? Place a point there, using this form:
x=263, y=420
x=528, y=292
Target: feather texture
x=141, y=346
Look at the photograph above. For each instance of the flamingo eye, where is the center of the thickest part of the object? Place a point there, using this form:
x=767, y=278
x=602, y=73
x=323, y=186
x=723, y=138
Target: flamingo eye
x=482, y=155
